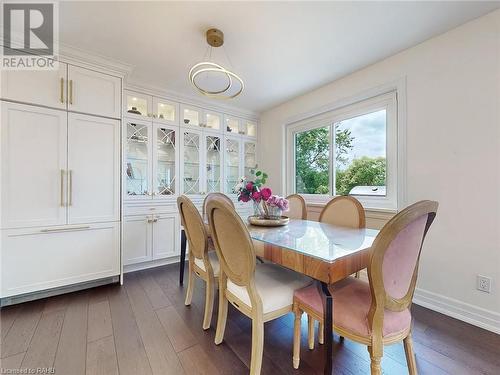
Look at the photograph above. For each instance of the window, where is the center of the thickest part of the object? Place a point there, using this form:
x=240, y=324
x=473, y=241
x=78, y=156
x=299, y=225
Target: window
x=347, y=151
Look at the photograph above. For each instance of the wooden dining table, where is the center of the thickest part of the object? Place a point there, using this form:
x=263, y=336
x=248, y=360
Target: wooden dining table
x=324, y=252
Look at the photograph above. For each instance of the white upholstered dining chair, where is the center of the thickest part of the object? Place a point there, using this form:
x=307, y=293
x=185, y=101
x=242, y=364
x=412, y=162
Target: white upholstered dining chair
x=262, y=292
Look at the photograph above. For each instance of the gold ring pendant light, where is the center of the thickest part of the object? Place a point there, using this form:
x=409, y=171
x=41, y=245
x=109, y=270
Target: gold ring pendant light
x=215, y=38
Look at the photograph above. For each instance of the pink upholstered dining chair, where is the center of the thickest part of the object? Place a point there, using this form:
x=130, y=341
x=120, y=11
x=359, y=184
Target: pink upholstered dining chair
x=377, y=313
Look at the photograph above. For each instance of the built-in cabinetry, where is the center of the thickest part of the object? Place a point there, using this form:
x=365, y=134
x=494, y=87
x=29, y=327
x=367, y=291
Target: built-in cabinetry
x=60, y=178
x=172, y=149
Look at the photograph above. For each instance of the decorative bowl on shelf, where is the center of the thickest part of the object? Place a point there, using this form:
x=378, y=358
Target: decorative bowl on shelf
x=186, y=121
x=264, y=222
x=134, y=111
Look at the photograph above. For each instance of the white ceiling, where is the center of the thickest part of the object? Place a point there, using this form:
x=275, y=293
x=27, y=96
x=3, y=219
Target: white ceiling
x=280, y=49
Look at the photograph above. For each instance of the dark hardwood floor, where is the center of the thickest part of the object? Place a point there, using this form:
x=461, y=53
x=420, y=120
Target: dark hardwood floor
x=144, y=328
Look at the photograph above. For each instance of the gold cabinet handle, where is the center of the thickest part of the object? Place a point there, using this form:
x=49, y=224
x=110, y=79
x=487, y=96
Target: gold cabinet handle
x=70, y=91
x=62, y=188
x=62, y=90
x=64, y=229
x=70, y=188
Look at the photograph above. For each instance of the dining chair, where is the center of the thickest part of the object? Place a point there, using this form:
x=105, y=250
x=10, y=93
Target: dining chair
x=262, y=292
x=214, y=195
x=202, y=262
x=344, y=211
x=297, y=207
x=377, y=312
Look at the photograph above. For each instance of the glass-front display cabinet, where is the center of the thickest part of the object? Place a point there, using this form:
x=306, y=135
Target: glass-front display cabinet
x=232, y=125
x=137, y=105
x=164, y=161
x=165, y=111
x=137, y=158
x=232, y=164
x=201, y=162
x=250, y=159
x=151, y=160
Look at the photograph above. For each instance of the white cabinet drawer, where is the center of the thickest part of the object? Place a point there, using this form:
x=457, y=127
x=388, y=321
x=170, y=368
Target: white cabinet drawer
x=42, y=258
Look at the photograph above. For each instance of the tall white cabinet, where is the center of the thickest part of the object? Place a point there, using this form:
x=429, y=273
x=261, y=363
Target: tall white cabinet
x=60, y=179
x=172, y=149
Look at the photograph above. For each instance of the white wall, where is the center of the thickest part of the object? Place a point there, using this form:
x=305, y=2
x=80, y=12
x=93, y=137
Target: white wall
x=453, y=156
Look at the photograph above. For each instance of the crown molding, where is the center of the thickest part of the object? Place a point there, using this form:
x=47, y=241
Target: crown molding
x=94, y=61
x=191, y=100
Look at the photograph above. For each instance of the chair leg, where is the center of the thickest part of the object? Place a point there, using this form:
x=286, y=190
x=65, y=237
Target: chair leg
x=310, y=331
x=321, y=333
x=375, y=364
x=209, y=303
x=296, y=337
x=410, y=355
x=190, y=288
x=257, y=345
x=222, y=316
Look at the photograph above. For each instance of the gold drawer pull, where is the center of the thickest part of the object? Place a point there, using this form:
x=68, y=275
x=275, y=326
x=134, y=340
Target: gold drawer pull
x=62, y=188
x=70, y=91
x=64, y=229
x=62, y=90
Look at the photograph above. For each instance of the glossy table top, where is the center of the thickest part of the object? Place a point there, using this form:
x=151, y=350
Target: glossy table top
x=318, y=240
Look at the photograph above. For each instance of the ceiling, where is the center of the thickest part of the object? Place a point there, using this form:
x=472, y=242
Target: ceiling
x=280, y=49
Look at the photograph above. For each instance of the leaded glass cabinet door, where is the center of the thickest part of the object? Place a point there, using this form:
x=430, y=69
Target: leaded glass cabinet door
x=213, y=162
x=137, y=156
x=232, y=161
x=191, y=166
x=165, y=161
x=250, y=156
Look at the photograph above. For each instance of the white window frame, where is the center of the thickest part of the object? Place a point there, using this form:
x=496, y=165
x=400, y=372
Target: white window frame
x=395, y=148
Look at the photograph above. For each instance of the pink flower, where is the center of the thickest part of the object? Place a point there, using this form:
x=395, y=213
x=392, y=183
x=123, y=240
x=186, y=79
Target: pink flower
x=249, y=186
x=256, y=195
x=244, y=198
x=266, y=193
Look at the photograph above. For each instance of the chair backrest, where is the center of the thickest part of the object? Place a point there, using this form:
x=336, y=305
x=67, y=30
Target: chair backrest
x=297, y=207
x=344, y=211
x=232, y=242
x=214, y=195
x=194, y=227
x=395, y=256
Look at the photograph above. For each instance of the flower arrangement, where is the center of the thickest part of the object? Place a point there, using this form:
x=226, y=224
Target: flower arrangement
x=265, y=203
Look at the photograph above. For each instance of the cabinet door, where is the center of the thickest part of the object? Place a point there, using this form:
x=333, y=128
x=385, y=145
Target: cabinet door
x=232, y=125
x=137, y=234
x=212, y=120
x=93, y=169
x=138, y=166
x=41, y=258
x=232, y=173
x=250, y=158
x=137, y=105
x=191, y=116
x=213, y=162
x=165, y=111
x=191, y=171
x=93, y=92
x=165, y=232
x=33, y=166
x=47, y=87
x=165, y=161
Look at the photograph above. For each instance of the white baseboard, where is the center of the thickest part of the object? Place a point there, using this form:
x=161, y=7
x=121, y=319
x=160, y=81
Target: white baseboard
x=151, y=264
x=465, y=312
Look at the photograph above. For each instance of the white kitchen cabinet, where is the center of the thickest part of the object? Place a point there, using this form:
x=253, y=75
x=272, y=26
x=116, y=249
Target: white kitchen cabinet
x=42, y=87
x=201, y=170
x=137, y=105
x=151, y=160
x=93, y=169
x=93, y=92
x=233, y=163
x=150, y=237
x=249, y=157
x=36, y=259
x=165, y=111
x=165, y=235
x=137, y=232
x=34, y=166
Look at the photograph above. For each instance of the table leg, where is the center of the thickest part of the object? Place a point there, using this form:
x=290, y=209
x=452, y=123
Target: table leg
x=183, y=257
x=327, y=326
